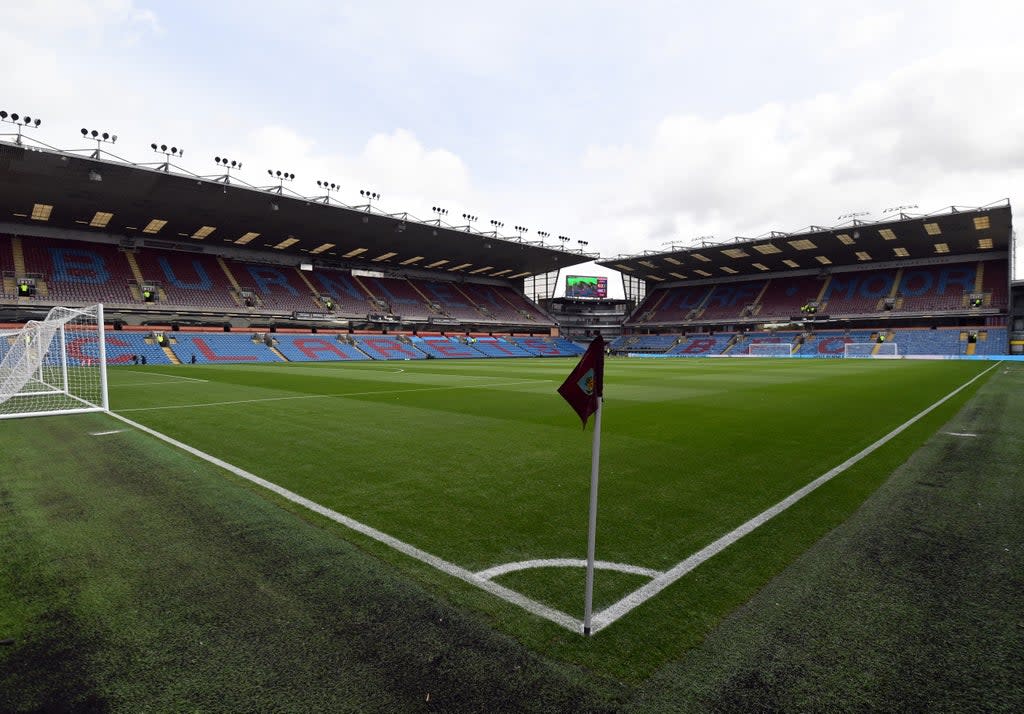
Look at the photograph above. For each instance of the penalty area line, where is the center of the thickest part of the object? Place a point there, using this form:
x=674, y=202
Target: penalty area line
x=328, y=396
x=606, y=617
x=160, y=374
x=532, y=606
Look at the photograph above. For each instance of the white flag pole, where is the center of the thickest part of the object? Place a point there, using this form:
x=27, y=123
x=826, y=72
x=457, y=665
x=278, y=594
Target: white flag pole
x=595, y=462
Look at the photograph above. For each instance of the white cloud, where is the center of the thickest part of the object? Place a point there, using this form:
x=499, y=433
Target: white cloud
x=623, y=127
x=947, y=129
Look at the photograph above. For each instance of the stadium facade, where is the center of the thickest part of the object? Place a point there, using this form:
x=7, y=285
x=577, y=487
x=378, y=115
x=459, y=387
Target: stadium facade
x=293, y=277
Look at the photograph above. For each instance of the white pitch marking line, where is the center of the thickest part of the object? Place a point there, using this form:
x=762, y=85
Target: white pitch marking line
x=505, y=568
x=958, y=433
x=160, y=374
x=644, y=593
x=327, y=396
x=105, y=433
x=151, y=384
x=507, y=594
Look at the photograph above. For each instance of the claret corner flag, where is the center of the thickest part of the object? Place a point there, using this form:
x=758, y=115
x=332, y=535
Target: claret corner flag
x=585, y=384
x=584, y=390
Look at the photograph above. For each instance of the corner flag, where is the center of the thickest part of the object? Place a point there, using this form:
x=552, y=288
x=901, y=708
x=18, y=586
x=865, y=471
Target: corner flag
x=585, y=385
x=584, y=390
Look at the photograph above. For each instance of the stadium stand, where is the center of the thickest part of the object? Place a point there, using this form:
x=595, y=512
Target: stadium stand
x=702, y=345
x=992, y=341
x=784, y=297
x=220, y=348
x=548, y=346
x=857, y=293
x=446, y=348
x=398, y=296
x=995, y=278
x=77, y=272
x=926, y=341
x=350, y=297
x=187, y=279
x=387, y=347
x=277, y=288
x=831, y=343
x=671, y=305
x=730, y=300
x=740, y=344
x=122, y=345
x=497, y=347
x=493, y=305
x=316, y=348
x=646, y=343
x=448, y=300
x=935, y=288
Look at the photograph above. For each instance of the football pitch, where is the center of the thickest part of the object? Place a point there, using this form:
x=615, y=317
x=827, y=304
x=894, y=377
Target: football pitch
x=473, y=476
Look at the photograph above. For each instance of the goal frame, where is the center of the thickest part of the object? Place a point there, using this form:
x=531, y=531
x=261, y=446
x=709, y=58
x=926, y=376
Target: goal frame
x=781, y=346
x=870, y=348
x=41, y=360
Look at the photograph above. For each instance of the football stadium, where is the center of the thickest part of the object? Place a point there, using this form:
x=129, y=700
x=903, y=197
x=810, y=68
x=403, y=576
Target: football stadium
x=270, y=451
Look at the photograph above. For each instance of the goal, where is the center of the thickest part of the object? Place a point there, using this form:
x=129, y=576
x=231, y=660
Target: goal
x=54, y=366
x=770, y=349
x=869, y=350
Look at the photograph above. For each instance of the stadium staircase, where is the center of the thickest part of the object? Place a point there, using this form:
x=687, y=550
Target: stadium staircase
x=649, y=312
x=18, y=254
x=312, y=289
x=133, y=265
x=170, y=354
x=370, y=296
x=755, y=305
x=889, y=337
x=736, y=340
x=820, y=299
x=893, y=293
x=236, y=289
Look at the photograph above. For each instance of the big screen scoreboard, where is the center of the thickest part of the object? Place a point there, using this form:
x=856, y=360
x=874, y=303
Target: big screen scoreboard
x=585, y=286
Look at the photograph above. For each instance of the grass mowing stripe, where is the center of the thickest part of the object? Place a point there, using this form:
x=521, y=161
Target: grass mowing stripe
x=531, y=606
x=327, y=396
x=609, y=615
x=485, y=477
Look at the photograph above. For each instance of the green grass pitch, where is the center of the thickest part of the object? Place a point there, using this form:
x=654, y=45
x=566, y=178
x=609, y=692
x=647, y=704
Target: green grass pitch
x=482, y=464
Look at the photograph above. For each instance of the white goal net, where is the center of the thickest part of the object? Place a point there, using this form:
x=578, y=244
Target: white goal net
x=770, y=349
x=54, y=366
x=868, y=350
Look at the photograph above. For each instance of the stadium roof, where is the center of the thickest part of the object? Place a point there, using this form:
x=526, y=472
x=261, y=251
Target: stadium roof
x=950, y=232
x=94, y=190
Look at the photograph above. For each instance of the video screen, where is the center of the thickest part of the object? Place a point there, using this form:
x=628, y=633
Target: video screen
x=583, y=286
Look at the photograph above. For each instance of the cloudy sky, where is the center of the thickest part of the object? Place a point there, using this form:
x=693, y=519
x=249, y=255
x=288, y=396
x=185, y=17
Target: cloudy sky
x=628, y=125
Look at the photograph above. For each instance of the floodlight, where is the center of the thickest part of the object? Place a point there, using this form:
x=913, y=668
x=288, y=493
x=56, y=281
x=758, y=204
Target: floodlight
x=14, y=117
x=85, y=132
x=3, y=115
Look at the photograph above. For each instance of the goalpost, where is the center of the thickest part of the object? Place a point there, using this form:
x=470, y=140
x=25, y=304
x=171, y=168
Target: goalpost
x=54, y=366
x=871, y=350
x=770, y=349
